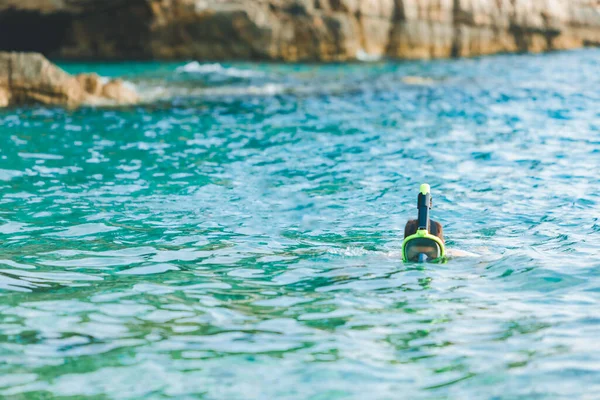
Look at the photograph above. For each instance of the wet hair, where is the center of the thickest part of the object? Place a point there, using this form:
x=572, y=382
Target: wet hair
x=435, y=228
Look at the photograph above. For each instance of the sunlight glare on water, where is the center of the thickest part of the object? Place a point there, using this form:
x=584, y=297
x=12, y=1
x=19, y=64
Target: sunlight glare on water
x=239, y=235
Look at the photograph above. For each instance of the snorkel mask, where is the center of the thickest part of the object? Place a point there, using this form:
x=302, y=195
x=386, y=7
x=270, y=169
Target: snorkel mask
x=423, y=246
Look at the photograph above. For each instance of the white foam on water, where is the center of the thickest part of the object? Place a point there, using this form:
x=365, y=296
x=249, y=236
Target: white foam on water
x=268, y=89
x=150, y=94
x=195, y=67
x=130, y=85
x=8, y=174
x=348, y=251
x=362, y=55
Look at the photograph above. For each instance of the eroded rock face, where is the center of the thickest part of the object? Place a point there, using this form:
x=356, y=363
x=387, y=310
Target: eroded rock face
x=91, y=83
x=28, y=78
x=305, y=30
x=4, y=97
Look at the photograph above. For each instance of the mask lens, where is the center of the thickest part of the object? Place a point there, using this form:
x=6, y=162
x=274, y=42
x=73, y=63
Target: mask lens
x=419, y=246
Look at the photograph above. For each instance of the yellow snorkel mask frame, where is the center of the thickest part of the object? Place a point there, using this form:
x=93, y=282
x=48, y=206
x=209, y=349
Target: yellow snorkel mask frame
x=423, y=237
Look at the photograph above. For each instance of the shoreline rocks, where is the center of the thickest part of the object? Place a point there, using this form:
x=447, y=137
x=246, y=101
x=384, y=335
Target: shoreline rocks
x=29, y=78
x=295, y=30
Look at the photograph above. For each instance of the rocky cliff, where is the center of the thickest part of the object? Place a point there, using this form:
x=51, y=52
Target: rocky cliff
x=27, y=78
x=294, y=30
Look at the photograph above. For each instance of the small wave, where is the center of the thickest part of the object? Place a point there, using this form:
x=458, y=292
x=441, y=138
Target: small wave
x=349, y=251
x=195, y=67
x=130, y=85
x=265, y=90
x=9, y=174
x=150, y=94
x=105, y=79
x=418, y=80
x=362, y=55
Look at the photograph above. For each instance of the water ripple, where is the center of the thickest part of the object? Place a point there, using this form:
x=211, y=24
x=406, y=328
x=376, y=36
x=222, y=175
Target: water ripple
x=240, y=237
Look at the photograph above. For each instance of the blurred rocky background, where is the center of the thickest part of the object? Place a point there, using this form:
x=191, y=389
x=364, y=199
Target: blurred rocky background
x=294, y=30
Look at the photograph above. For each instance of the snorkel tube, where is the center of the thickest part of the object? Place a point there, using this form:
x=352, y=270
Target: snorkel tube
x=424, y=205
x=423, y=246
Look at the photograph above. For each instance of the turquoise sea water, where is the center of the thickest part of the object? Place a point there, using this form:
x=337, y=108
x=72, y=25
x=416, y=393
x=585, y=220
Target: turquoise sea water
x=238, y=236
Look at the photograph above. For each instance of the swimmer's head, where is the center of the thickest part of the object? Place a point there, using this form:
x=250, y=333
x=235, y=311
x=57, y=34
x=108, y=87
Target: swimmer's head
x=435, y=228
x=422, y=249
